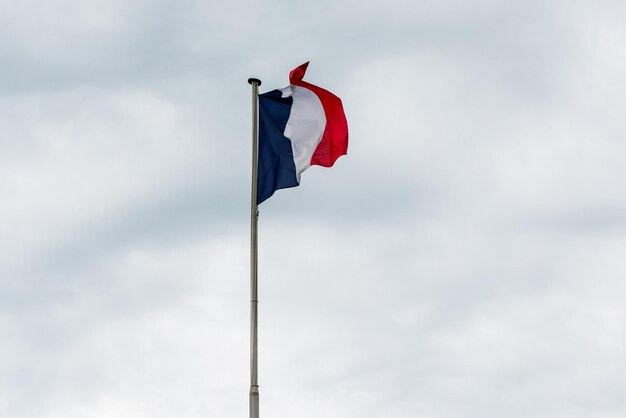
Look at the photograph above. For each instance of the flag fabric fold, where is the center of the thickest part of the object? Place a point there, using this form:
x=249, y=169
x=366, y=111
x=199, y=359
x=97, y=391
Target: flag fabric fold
x=299, y=126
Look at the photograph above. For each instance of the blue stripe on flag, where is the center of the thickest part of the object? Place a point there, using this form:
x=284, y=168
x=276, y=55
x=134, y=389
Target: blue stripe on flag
x=277, y=169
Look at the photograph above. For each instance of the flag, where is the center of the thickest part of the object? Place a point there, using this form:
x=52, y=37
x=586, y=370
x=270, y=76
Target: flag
x=299, y=126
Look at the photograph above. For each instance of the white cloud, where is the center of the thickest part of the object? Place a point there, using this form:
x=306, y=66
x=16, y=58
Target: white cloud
x=465, y=258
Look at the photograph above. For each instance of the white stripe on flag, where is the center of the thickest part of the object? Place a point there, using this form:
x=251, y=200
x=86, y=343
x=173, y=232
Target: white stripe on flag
x=305, y=126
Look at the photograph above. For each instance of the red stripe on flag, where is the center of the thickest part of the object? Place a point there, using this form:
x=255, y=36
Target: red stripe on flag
x=334, y=141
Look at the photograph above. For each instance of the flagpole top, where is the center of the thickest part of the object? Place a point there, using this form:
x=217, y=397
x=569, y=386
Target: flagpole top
x=254, y=80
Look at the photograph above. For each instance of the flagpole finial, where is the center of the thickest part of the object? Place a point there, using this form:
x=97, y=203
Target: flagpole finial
x=254, y=80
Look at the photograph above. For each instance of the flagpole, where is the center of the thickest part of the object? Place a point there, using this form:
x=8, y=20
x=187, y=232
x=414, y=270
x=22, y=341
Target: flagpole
x=254, y=216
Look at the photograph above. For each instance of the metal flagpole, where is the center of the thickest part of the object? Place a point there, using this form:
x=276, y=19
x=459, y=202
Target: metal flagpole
x=254, y=216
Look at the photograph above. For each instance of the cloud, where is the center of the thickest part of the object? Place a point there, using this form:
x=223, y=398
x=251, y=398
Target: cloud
x=463, y=260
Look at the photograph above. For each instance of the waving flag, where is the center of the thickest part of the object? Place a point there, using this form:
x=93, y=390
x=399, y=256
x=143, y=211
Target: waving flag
x=299, y=126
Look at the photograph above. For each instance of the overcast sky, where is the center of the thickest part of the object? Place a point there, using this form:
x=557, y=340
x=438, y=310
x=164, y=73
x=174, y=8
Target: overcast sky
x=466, y=259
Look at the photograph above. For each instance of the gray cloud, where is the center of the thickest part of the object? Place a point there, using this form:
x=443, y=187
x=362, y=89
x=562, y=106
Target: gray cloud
x=464, y=260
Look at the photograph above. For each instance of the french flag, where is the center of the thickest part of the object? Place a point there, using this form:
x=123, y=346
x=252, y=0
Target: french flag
x=299, y=126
